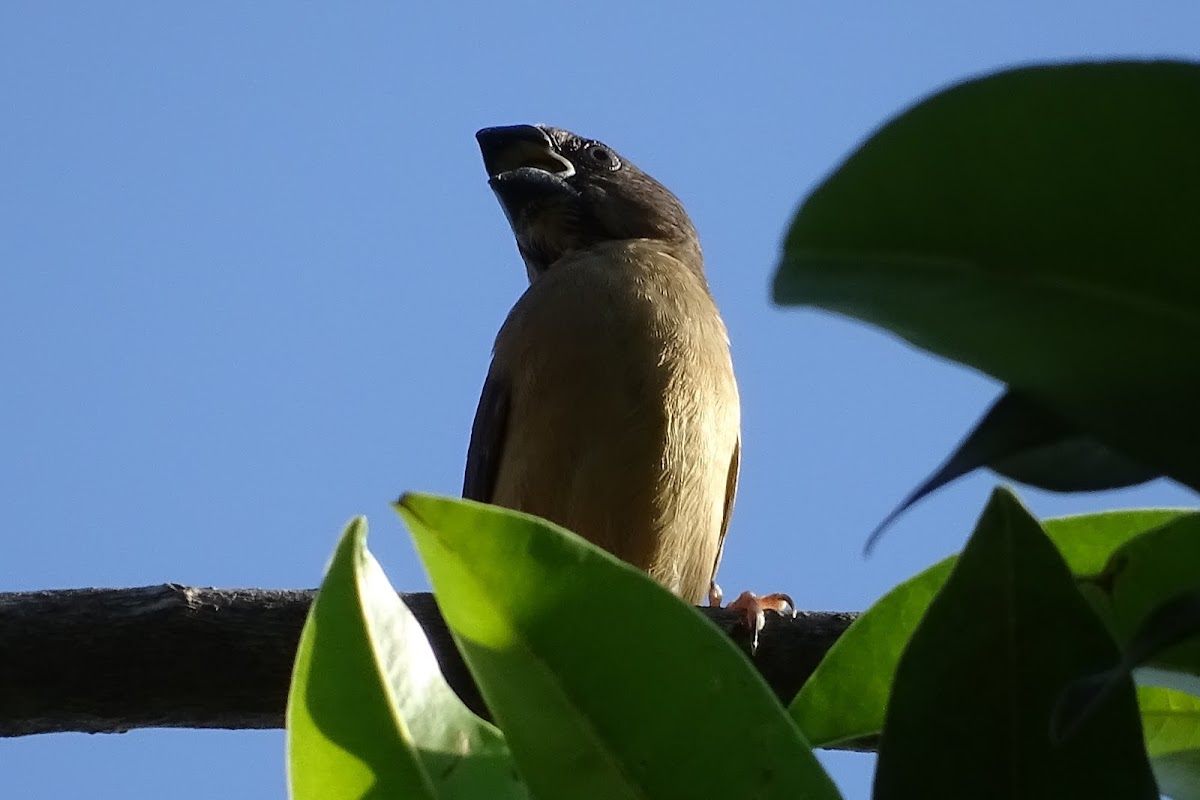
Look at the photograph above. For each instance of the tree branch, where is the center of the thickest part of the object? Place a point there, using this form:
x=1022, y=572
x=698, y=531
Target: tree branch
x=170, y=656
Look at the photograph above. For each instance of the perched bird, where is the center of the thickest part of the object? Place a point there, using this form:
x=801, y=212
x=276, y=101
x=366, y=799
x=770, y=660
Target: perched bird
x=611, y=406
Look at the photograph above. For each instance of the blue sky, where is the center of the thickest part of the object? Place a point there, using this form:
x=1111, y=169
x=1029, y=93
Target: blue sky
x=250, y=271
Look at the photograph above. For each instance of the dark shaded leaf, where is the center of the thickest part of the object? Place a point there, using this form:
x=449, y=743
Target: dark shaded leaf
x=1039, y=225
x=845, y=698
x=1175, y=621
x=1149, y=593
x=1147, y=583
x=1022, y=440
x=969, y=714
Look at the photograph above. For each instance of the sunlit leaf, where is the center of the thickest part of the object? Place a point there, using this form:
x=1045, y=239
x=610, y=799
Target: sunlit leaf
x=369, y=714
x=605, y=684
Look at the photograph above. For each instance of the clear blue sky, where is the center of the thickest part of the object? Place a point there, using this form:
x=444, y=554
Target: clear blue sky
x=250, y=271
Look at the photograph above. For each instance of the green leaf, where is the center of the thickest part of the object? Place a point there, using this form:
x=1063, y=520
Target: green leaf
x=1150, y=596
x=1171, y=724
x=369, y=714
x=1170, y=720
x=1171, y=624
x=978, y=681
x=846, y=696
x=1178, y=774
x=605, y=684
x=1022, y=440
x=1152, y=584
x=1171, y=727
x=1039, y=225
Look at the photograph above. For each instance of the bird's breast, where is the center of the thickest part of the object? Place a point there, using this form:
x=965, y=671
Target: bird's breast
x=624, y=410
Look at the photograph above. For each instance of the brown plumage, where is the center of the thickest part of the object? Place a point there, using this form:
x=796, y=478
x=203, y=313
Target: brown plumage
x=611, y=406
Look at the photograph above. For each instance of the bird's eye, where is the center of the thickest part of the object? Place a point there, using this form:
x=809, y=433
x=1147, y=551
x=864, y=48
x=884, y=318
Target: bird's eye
x=601, y=156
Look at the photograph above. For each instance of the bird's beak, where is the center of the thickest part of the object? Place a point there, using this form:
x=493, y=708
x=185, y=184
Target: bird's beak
x=521, y=147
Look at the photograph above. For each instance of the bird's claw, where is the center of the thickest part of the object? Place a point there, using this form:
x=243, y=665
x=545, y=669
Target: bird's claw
x=753, y=608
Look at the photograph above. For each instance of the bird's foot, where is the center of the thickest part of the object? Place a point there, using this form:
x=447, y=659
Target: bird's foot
x=753, y=608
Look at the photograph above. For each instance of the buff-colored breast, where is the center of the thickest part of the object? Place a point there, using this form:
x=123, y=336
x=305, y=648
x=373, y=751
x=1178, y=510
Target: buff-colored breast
x=624, y=413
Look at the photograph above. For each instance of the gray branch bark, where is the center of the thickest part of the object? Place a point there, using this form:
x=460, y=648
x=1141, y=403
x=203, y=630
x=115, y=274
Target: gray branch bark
x=170, y=656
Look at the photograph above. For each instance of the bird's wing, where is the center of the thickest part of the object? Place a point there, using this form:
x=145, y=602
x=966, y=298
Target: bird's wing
x=487, y=440
x=730, y=491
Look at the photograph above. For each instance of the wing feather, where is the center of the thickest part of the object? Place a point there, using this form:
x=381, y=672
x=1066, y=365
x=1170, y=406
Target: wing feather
x=488, y=434
x=730, y=492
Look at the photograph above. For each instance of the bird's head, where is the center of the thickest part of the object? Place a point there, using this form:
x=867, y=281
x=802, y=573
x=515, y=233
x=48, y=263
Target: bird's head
x=563, y=193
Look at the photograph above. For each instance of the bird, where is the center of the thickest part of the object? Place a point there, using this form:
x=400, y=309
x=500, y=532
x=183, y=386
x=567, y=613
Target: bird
x=610, y=406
